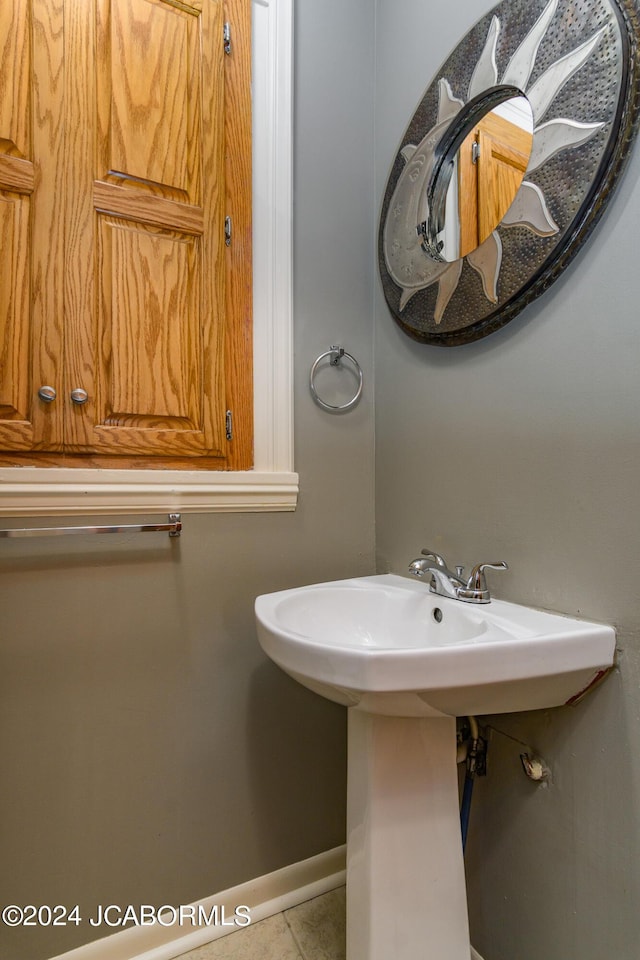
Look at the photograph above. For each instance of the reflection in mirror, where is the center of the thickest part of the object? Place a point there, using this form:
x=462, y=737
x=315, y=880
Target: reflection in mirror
x=486, y=174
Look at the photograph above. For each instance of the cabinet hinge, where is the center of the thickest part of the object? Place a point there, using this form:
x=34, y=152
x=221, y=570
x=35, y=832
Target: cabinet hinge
x=475, y=151
x=229, y=424
x=227, y=231
x=226, y=38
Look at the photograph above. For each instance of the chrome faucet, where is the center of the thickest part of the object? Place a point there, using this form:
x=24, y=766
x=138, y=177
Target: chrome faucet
x=445, y=583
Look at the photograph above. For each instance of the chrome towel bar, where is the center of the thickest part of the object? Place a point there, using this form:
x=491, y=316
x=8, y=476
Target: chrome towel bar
x=173, y=528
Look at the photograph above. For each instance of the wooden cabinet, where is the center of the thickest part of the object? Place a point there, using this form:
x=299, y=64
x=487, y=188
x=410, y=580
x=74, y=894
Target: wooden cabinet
x=492, y=162
x=125, y=144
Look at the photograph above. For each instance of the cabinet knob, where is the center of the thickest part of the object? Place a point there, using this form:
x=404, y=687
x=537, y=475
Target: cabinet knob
x=79, y=395
x=48, y=394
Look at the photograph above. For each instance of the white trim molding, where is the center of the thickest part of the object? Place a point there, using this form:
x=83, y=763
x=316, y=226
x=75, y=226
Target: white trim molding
x=81, y=493
x=272, y=485
x=265, y=897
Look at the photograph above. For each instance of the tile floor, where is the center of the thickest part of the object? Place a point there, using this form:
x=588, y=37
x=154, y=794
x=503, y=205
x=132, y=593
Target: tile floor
x=314, y=930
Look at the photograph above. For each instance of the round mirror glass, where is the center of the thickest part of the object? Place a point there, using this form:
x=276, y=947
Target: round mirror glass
x=483, y=177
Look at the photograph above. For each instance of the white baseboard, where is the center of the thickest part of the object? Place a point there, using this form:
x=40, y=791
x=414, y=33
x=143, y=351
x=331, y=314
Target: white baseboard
x=265, y=896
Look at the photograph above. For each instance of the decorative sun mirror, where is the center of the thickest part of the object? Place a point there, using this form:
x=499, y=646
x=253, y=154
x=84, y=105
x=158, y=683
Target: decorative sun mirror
x=507, y=164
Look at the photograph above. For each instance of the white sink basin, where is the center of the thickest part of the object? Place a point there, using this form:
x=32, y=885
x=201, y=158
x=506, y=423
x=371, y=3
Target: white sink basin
x=386, y=645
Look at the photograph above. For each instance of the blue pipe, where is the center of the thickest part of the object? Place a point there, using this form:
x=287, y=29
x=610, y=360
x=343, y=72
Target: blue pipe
x=472, y=759
x=465, y=807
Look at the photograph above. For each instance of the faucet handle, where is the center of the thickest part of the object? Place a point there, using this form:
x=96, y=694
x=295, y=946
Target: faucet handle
x=432, y=555
x=476, y=588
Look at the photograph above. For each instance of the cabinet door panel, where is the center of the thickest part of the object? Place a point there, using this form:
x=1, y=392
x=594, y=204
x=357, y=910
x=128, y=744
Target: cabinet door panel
x=15, y=78
x=15, y=379
x=154, y=325
x=149, y=90
x=151, y=376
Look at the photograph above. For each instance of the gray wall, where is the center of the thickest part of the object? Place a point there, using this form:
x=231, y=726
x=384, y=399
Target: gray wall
x=150, y=752
x=526, y=447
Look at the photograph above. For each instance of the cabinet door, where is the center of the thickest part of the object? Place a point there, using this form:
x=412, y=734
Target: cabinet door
x=148, y=332
x=504, y=155
x=490, y=178
x=31, y=222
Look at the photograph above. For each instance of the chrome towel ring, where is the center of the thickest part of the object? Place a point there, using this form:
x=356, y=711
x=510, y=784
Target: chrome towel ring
x=335, y=354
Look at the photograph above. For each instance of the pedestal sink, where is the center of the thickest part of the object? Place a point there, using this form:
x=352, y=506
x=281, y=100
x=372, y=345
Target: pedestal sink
x=407, y=663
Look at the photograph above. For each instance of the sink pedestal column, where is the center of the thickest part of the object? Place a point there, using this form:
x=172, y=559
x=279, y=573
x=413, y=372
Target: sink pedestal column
x=406, y=896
